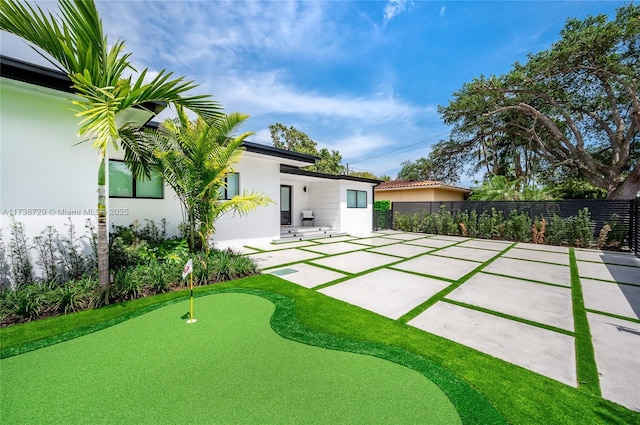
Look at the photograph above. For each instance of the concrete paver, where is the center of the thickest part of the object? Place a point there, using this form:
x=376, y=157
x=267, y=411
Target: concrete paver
x=546, y=352
x=472, y=254
x=485, y=244
x=402, y=250
x=276, y=258
x=549, y=273
x=618, y=299
x=366, y=235
x=245, y=250
x=335, y=248
x=539, y=247
x=449, y=268
x=544, y=304
x=377, y=241
x=612, y=272
x=431, y=242
x=387, y=292
x=356, y=262
x=281, y=246
x=405, y=236
x=333, y=239
x=543, y=256
x=450, y=238
x=616, y=344
x=598, y=256
x=306, y=275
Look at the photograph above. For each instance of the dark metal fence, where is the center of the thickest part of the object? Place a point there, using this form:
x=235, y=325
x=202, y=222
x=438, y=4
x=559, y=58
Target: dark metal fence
x=382, y=220
x=634, y=227
x=600, y=211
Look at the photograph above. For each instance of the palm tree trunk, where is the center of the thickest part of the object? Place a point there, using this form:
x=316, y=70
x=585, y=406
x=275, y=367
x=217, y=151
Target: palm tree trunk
x=103, y=248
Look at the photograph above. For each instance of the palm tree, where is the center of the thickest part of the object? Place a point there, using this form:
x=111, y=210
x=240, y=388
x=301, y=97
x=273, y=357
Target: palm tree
x=497, y=188
x=101, y=77
x=194, y=158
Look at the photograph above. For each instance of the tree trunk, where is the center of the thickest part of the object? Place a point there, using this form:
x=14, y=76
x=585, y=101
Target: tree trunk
x=629, y=188
x=103, y=247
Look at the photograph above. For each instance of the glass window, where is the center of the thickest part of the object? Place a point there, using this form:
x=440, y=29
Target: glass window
x=351, y=199
x=232, y=181
x=120, y=180
x=362, y=199
x=356, y=199
x=149, y=188
x=122, y=184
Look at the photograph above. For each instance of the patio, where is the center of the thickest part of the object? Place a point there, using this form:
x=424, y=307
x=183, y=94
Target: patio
x=522, y=303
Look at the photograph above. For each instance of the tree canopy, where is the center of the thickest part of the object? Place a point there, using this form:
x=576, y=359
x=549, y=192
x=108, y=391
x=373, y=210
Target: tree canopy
x=435, y=168
x=571, y=109
x=295, y=140
x=330, y=161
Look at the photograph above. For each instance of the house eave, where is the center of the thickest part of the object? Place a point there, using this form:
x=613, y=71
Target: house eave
x=18, y=70
x=442, y=187
x=284, y=169
x=279, y=153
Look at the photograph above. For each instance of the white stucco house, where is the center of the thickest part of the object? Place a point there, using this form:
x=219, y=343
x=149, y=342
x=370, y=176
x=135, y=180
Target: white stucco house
x=48, y=176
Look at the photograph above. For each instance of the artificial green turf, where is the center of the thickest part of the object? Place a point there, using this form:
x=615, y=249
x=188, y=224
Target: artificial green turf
x=587, y=370
x=229, y=367
x=521, y=396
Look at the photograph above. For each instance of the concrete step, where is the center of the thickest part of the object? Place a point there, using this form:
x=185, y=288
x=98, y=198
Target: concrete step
x=301, y=234
x=296, y=231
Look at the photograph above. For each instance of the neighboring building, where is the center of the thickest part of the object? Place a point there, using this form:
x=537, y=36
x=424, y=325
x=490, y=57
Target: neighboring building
x=47, y=178
x=419, y=191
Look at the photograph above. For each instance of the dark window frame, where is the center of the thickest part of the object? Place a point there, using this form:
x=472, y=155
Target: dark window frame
x=224, y=190
x=357, y=192
x=133, y=183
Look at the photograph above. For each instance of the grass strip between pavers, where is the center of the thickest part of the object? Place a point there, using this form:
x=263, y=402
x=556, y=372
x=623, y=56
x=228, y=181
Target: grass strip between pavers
x=471, y=406
x=587, y=369
x=613, y=315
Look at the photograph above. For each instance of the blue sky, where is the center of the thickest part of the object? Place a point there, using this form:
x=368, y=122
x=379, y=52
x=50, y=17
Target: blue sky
x=363, y=77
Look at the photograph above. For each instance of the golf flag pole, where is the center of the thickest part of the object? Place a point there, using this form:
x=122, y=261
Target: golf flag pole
x=188, y=270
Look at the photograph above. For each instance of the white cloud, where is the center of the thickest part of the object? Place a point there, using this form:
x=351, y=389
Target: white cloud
x=393, y=9
x=442, y=10
x=357, y=145
x=269, y=93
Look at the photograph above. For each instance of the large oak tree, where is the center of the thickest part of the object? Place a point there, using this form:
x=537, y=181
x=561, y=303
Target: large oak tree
x=573, y=107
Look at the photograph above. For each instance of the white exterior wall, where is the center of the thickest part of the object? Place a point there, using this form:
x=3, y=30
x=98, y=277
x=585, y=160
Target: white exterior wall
x=356, y=220
x=324, y=200
x=124, y=211
x=44, y=179
x=260, y=174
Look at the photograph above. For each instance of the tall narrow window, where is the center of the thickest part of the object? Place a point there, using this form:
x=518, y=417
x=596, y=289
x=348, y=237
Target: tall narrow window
x=232, y=182
x=122, y=184
x=356, y=199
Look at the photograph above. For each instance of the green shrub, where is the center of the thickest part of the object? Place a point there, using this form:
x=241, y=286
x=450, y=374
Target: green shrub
x=383, y=205
x=21, y=267
x=472, y=224
x=616, y=235
x=581, y=229
x=556, y=231
x=518, y=227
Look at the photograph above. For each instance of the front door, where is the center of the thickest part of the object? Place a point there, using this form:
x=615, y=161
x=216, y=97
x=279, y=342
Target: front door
x=285, y=205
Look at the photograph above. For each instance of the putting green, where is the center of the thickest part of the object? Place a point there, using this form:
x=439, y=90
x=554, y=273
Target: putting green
x=229, y=367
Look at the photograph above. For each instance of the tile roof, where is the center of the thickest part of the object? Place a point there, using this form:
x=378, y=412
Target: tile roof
x=411, y=184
